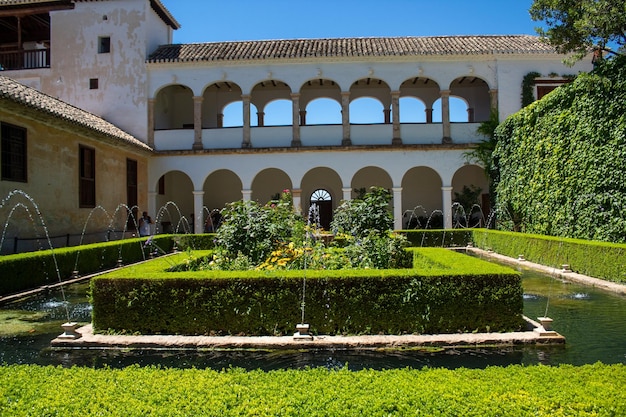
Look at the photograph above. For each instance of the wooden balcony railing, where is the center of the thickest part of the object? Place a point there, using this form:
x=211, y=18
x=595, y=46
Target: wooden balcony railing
x=19, y=60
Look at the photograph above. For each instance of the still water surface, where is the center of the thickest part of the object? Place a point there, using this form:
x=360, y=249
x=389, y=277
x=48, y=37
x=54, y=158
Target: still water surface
x=593, y=322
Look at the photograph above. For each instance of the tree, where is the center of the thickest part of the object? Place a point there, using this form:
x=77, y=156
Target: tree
x=578, y=26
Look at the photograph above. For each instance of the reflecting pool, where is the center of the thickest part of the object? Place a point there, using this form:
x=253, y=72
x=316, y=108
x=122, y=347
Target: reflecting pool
x=593, y=322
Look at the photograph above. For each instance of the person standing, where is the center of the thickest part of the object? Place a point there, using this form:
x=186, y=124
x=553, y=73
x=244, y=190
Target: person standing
x=145, y=222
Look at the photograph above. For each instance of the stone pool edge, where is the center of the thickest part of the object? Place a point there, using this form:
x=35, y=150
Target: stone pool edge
x=536, y=336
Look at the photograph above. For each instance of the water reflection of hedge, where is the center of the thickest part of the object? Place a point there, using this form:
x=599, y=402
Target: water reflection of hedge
x=447, y=293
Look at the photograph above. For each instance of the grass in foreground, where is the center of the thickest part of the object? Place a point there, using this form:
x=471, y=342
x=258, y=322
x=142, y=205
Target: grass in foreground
x=590, y=390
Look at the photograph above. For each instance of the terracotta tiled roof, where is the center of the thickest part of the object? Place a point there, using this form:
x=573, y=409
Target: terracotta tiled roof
x=351, y=47
x=29, y=97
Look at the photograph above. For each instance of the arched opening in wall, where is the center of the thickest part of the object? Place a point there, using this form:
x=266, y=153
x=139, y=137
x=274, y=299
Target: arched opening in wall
x=412, y=110
x=458, y=110
x=368, y=177
x=422, y=199
x=221, y=187
x=215, y=97
x=173, y=108
x=470, y=197
x=366, y=110
x=475, y=92
x=321, y=208
x=269, y=184
x=321, y=178
x=174, y=203
x=278, y=113
x=323, y=111
x=233, y=114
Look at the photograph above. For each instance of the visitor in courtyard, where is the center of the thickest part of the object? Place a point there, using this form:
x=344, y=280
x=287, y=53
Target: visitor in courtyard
x=144, y=224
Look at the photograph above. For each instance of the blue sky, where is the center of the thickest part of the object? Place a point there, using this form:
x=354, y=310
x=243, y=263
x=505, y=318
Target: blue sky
x=210, y=20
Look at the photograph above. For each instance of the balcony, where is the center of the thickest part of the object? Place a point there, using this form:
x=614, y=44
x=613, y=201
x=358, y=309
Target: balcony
x=315, y=135
x=25, y=59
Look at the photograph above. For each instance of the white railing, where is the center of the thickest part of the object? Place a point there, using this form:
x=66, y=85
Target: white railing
x=465, y=133
x=226, y=138
x=321, y=135
x=371, y=134
x=421, y=133
x=173, y=140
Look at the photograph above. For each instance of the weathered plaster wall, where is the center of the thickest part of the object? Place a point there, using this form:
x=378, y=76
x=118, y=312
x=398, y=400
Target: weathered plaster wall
x=53, y=158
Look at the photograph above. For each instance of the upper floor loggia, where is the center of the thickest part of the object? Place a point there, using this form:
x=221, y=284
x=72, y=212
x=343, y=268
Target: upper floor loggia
x=273, y=113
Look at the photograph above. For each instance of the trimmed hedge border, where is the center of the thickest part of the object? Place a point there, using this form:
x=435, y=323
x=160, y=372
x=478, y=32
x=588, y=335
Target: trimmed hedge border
x=539, y=391
x=30, y=270
x=596, y=259
x=447, y=292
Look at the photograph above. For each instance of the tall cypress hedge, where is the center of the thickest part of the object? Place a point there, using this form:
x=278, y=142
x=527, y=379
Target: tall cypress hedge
x=562, y=159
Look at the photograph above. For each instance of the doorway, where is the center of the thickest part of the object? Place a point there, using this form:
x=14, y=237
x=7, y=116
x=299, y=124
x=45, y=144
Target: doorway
x=321, y=204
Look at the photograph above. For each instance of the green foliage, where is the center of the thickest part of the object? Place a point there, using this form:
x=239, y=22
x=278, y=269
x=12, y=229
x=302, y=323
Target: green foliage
x=561, y=160
x=577, y=26
x=255, y=230
x=438, y=238
x=528, y=85
x=359, y=216
x=538, y=391
x=596, y=259
x=454, y=292
x=33, y=269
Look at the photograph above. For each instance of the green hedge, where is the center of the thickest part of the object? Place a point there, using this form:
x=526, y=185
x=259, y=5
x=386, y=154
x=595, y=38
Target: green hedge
x=29, y=270
x=539, y=391
x=447, y=293
x=438, y=237
x=597, y=259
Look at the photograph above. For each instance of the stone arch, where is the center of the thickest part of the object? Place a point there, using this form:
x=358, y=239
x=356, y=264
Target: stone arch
x=475, y=92
x=421, y=197
x=370, y=88
x=267, y=91
x=370, y=176
x=472, y=176
x=174, y=202
x=268, y=183
x=321, y=178
x=173, y=108
x=216, y=97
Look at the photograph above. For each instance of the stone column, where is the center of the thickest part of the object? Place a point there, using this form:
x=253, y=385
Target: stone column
x=151, y=102
x=260, y=118
x=397, y=208
x=445, y=116
x=429, y=115
x=470, y=115
x=387, y=116
x=345, y=118
x=395, y=108
x=302, y=117
x=198, y=211
x=246, y=121
x=197, y=123
x=296, y=194
x=220, y=119
x=295, y=122
x=246, y=195
x=347, y=193
x=446, y=197
x=493, y=96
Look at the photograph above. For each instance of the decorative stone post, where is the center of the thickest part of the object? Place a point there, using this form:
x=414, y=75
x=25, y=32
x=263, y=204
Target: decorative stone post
x=295, y=122
x=197, y=123
x=345, y=118
x=446, y=197
x=246, y=195
x=296, y=195
x=347, y=193
x=445, y=116
x=395, y=108
x=198, y=211
x=246, y=121
x=260, y=117
x=397, y=208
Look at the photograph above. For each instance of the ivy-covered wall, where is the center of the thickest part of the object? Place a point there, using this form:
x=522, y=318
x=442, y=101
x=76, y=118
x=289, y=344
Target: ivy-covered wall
x=562, y=160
